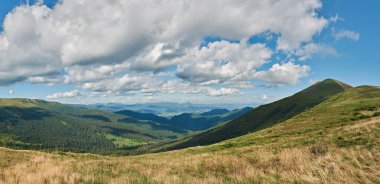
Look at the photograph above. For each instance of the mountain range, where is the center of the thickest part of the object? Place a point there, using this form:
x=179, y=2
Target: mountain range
x=327, y=133
x=190, y=121
x=164, y=109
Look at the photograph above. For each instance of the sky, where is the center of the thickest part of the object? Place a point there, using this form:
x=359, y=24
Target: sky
x=212, y=52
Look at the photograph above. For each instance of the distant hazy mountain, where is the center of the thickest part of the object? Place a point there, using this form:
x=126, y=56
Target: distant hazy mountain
x=190, y=121
x=164, y=109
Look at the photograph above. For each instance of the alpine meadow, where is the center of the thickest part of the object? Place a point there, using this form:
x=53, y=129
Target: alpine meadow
x=189, y=92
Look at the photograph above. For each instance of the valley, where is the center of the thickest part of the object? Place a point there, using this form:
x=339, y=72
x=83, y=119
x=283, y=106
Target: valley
x=37, y=124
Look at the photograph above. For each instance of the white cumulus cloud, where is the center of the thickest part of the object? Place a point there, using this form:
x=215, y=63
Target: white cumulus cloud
x=264, y=97
x=38, y=41
x=287, y=73
x=121, y=46
x=222, y=61
x=69, y=94
x=339, y=34
x=222, y=91
x=313, y=49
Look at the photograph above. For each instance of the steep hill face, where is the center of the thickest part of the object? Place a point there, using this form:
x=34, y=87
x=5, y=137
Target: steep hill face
x=37, y=124
x=347, y=119
x=266, y=115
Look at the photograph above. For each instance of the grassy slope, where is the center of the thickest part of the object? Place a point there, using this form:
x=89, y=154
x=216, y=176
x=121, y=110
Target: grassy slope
x=265, y=115
x=335, y=142
x=38, y=124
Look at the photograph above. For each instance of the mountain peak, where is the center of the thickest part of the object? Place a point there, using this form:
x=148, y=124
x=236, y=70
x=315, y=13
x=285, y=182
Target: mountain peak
x=334, y=81
x=326, y=88
x=342, y=84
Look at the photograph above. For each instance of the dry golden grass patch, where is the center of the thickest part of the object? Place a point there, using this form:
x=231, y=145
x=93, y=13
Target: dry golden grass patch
x=316, y=164
x=365, y=123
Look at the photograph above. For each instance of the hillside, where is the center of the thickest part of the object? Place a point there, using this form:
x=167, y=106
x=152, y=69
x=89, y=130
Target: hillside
x=190, y=121
x=266, y=115
x=337, y=141
x=37, y=124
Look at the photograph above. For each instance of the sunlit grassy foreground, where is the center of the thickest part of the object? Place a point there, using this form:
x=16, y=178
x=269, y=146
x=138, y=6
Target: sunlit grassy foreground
x=302, y=165
x=335, y=142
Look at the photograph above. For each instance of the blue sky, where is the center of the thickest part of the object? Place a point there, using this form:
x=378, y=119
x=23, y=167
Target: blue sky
x=344, y=49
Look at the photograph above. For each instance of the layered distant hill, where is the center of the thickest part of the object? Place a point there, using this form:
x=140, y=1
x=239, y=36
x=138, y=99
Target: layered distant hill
x=190, y=121
x=164, y=109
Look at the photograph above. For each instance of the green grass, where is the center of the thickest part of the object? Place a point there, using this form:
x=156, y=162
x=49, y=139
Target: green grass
x=122, y=142
x=20, y=102
x=331, y=122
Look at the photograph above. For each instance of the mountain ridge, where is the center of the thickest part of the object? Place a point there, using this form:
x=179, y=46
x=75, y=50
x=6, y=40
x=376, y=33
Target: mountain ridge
x=265, y=115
